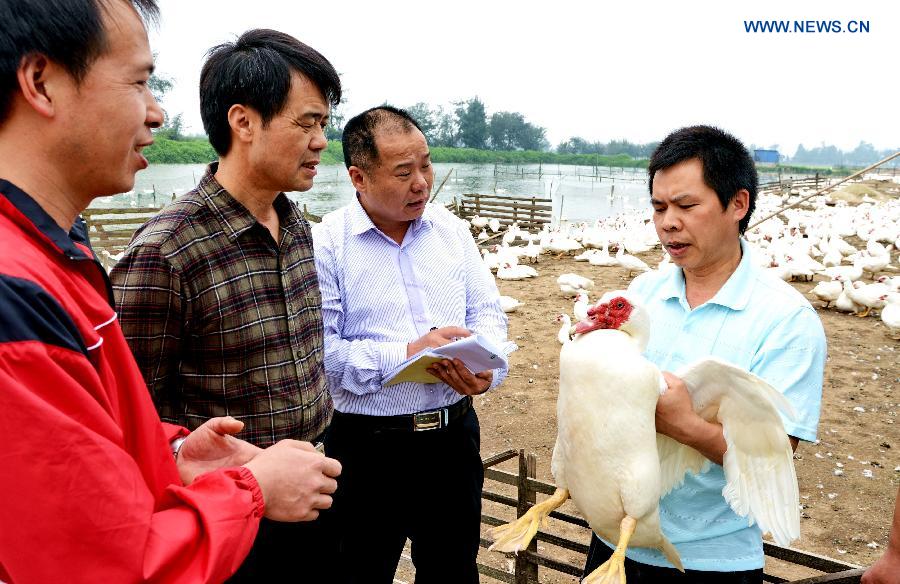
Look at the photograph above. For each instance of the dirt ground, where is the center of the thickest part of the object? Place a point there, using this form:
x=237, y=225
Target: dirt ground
x=846, y=514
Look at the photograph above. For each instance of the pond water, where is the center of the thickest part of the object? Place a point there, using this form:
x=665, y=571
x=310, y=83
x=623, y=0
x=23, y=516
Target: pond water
x=579, y=193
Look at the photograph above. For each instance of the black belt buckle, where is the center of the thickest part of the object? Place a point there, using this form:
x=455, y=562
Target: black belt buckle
x=432, y=420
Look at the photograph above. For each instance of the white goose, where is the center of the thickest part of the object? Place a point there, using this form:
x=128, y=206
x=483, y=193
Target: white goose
x=615, y=466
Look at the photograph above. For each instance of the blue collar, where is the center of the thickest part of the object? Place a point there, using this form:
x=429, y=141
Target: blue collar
x=735, y=294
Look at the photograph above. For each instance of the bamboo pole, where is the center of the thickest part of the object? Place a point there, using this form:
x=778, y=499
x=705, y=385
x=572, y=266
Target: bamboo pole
x=828, y=188
x=434, y=196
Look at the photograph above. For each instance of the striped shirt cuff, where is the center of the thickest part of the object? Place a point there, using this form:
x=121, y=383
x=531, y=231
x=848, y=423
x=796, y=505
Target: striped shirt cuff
x=390, y=355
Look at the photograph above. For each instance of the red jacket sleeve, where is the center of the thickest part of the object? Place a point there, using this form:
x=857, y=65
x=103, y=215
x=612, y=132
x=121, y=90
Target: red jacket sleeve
x=78, y=501
x=174, y=431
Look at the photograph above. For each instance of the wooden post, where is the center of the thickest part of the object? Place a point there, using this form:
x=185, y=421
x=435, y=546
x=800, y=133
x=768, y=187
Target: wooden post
x=526, y=571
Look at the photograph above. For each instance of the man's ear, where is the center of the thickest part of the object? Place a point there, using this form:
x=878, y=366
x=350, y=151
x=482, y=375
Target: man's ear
x=39, y=79
x=243, y=122
x=741, y=204
x=358, y=178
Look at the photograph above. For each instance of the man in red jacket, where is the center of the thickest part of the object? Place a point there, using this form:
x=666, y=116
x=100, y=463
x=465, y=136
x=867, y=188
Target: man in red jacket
x=89, y=488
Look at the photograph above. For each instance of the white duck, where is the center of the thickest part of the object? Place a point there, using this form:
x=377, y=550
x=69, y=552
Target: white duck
x=844, y=303
x=615, y=466
x=868, y=296
x=848, y=273
x=828, y=292
x=491, y=260
x=494, y=225
x=565, y=330
x=832, y=258
x=630, y=262
x=893, y=283
x=582, y=304
x=872, y=264
x=532, y=251
x=509, y=304
x=508, y=271
x=603, y=259
x=572, y=284
x=479, y=222
x=890, y=315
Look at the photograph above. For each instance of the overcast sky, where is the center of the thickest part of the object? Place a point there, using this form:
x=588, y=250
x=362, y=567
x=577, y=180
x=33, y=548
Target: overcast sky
x=600, y=70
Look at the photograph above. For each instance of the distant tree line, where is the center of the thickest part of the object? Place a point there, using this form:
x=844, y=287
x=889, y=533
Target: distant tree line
x=467, y=125
x=826, y=155
x=578, y=145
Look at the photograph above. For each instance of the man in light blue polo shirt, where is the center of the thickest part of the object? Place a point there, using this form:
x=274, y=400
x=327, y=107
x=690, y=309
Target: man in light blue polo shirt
x=715, y=302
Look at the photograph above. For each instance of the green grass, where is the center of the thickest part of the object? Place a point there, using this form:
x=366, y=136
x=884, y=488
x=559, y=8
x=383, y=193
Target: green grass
x=199, y=151
x=193, y=151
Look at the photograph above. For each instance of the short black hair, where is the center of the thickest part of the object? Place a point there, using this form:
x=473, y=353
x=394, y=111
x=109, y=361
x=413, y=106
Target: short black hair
x=255, y=71
x=68, y=32
x=358, y=139
x=727, y=165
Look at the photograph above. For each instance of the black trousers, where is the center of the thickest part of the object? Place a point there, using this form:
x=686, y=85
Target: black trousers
x=282, y=553
x=638, y=573
x=399, y=484
x=290, y=552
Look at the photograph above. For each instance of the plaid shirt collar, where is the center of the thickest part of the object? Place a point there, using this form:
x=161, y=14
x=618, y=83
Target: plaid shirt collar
x=234, y=215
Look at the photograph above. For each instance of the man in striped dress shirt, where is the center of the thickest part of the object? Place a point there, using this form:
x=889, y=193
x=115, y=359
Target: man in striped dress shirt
x=218, y=295
x=398, y=275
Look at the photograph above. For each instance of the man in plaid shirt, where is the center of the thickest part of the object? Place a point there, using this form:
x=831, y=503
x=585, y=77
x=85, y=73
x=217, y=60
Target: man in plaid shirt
x=218, y=295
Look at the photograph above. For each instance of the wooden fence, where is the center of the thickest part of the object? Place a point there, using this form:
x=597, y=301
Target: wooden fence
x=111, y=229
x=528, y=561
x=530, y=213
x=780, y=186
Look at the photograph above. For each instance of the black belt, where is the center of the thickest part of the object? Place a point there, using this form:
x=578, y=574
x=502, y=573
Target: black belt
x=418, y=422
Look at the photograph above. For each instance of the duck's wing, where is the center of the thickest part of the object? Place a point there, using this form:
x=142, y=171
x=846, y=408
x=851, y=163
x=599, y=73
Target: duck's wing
x=676, y=459
x=761, y=482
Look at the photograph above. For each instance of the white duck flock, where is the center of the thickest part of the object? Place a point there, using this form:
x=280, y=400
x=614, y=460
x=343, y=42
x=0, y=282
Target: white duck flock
x=610, y=460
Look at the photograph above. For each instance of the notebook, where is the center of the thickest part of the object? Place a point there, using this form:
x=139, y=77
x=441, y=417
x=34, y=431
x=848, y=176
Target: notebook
x=476, y=352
